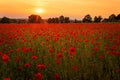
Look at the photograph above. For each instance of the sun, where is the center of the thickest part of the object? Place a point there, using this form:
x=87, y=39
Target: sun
x=39, y=10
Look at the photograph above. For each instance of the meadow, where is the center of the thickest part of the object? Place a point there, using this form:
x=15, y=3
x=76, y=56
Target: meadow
x=60, y=51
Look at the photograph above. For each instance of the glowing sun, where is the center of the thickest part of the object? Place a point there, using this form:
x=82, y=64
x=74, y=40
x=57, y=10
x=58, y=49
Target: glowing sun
x=39, y=10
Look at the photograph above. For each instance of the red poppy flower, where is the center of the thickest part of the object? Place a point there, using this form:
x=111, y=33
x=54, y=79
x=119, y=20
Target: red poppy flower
x=19, y=68
x=72, y=50
x=59, y=55
x=6, y=79
x=74, y=68
x=70, y=57
x=51, y=50
x=18, y=50
x=40, y=66
x=47, y=39
x=1, y=53
x=118, y=70
x=25, y=50
x=17, y=59
x=38, y=76
x=57, y=77
x=5, y=58
x=42, y=43
x=101, y=57
x=56, y=39
x=58, y=62
x=96, y=49
x=63, y=49
x=114, y=47
x=26, y=65
x=34, y=57
x=10, y=51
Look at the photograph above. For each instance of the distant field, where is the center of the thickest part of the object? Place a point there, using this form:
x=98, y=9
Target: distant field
x=60, y=51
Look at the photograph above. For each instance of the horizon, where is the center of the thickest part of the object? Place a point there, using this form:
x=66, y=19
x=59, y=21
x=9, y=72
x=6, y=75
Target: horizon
x=46, y=8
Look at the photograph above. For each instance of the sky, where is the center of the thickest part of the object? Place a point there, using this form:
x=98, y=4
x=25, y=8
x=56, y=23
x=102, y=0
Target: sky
x=54, y=8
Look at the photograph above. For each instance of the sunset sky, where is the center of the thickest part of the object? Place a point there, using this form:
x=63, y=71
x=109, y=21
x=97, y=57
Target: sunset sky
x=53, y=8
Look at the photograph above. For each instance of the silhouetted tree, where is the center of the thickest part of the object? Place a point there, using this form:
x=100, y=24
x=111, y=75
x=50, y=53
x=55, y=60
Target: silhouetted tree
x=97, y=19
x=49, y=20
x=56, y=20
x=67, y=20
x=5, y=20
x=13, y=21
x=34, y=19
x=118, y=17
x=75, y=21
x=61, y=19
x=87, y=18
x=112, y=18
x=105, y=20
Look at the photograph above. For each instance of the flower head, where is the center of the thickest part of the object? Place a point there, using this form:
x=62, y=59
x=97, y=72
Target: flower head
x=5, y=58
x=40, y=66
x=38, y=76
x=72, y=50
x=34, y=57
x=59, y=55
x=57, y=77
x=6, y=79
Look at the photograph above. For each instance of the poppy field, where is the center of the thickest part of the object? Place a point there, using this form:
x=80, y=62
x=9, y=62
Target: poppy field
x=60, y=51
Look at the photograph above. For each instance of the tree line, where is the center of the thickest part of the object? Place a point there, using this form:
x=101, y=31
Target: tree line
x=87, y=19
x=62, y=19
